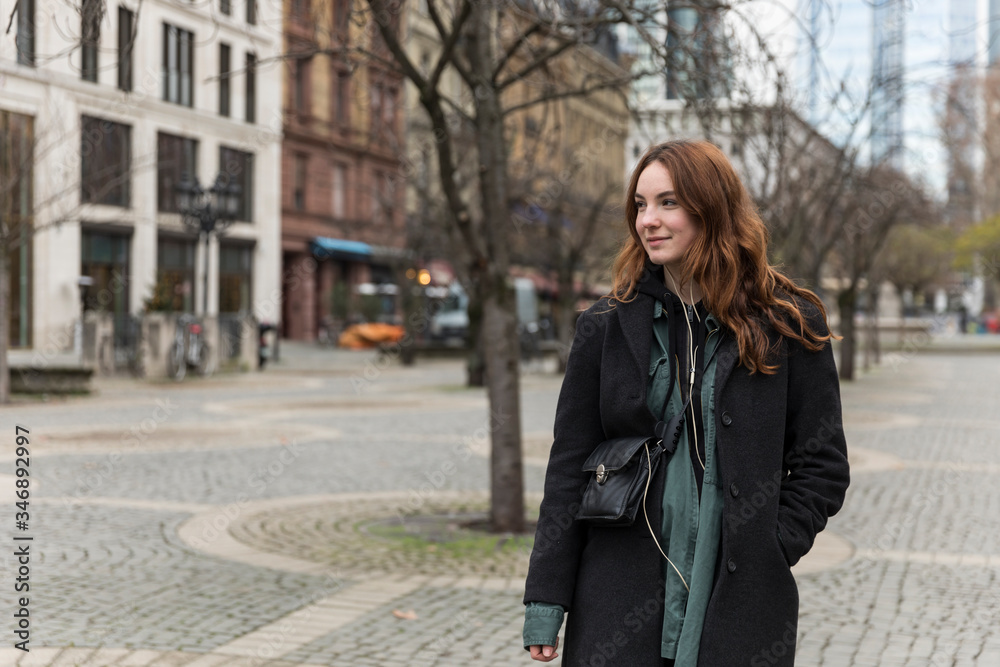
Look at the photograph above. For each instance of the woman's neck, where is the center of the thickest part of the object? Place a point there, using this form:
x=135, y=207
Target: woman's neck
x=689, y=292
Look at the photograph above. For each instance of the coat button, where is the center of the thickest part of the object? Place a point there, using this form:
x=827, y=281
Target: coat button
x=731, y=565
x=734, y=490
x=726, y=419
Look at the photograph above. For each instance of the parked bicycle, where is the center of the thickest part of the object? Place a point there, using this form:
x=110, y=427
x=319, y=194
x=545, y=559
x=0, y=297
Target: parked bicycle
x=189, y=349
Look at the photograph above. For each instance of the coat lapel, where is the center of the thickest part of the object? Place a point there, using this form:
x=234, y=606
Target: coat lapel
x=636, y=318
x=727, y=356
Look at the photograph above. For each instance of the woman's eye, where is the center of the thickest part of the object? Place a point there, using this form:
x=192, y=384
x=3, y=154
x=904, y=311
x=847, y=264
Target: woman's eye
x=640, y=204
x=669, y=202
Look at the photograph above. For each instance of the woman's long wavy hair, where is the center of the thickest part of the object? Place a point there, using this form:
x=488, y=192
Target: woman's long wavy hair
x=729, y=258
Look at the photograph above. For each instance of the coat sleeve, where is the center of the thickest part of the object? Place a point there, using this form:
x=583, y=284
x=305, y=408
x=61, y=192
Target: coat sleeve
x=559, y=537
x=815, y=452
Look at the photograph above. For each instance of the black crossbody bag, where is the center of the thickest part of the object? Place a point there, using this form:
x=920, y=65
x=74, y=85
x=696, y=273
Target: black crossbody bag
x=622, y=469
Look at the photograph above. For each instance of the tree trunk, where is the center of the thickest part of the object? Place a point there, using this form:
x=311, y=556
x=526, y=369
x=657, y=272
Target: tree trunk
x=4, y=323
x=567, y=325
x=871, y=327
x=846, y=302
x=876, y=338
x=866, y=363
x=565, y=321
x=499, y=314
x=475, y=362
x=902, y=316
x=503, y=388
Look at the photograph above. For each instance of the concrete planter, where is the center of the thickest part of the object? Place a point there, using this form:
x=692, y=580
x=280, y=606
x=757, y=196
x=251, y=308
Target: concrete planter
x=50, y=379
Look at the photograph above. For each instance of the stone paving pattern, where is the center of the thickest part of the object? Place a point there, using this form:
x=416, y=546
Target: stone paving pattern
x=112, y=583
x=123, y=578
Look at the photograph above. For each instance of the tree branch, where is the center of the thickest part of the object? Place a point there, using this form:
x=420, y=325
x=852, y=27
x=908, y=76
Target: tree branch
x=449, y=40
x=542, y=60
x=611, y=84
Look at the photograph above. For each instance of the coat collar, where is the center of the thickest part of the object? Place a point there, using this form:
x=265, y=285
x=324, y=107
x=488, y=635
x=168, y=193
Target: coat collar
x=636, y=319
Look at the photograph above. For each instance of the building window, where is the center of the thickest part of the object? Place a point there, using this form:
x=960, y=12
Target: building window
x=383, y=110
x=342, y=91
x=17, y=175
x=174, y=276
x=126, y=40
x=375, y=100
x=105, y=165
x=25, y=40
x=299, y=190
x=176, y=157
x=389, y=111
x=224, y=79
x=237, y=167
x=90, y=37
x=104, y=258
x=252, y=12
x=383, y=193
x=226, y=7
x=300, y=89
x=339, y=189
x=235, y=277
x=251, y=96
x=341, y=14
x=178, y=65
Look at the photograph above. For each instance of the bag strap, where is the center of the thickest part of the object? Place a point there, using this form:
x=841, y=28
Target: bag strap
x=669, y=433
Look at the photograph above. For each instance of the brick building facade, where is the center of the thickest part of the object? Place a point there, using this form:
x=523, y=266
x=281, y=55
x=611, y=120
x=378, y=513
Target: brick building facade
x=341, y=204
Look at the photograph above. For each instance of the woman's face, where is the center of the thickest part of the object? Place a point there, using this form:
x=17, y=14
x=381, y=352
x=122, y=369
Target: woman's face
x=663, y=226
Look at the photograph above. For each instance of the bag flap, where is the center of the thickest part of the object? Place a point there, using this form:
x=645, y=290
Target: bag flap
x=616, y=453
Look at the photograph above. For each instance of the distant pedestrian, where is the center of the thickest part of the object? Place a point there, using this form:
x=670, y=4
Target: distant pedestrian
x=697, y=325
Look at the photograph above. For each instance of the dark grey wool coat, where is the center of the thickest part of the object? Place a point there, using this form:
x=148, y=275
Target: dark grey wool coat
x=783, y=462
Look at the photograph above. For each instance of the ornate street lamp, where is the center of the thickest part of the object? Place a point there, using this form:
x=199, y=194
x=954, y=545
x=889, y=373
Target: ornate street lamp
x=207, y=212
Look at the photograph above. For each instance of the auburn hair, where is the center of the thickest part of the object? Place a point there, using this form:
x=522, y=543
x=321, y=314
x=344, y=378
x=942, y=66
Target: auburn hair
x=729, y=258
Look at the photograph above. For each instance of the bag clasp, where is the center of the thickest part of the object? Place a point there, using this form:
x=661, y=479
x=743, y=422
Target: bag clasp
x=602, y=474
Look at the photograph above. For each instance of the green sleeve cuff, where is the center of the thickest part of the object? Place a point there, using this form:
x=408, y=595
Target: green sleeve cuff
x=541, y=623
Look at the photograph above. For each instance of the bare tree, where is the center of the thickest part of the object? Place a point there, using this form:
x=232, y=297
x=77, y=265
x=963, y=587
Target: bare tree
x=23, y=214
x=800, y=180
x=570, y=232
x=882, y=198
x=16, y=150
x=505, y=56
x=511, y=57
x=916, y=258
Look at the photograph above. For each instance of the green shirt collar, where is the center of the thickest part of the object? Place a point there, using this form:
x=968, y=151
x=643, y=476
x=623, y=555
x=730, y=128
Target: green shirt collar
x=711, y=320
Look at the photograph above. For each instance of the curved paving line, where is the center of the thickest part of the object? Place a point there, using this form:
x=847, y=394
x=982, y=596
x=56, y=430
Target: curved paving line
x=209, y=532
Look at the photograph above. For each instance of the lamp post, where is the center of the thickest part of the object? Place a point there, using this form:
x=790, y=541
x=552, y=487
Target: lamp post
x=207, y=212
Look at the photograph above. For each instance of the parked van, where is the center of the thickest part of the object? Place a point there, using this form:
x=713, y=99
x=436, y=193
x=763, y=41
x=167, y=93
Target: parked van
x=451, y=321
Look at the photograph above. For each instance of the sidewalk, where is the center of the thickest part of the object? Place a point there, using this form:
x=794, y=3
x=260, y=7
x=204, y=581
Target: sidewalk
x=233, y=531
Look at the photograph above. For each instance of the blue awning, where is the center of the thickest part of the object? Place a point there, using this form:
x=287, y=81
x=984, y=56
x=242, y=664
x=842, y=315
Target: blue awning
x=324, y=247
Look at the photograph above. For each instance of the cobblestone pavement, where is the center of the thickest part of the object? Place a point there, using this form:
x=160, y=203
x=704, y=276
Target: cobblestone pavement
x=229, y=521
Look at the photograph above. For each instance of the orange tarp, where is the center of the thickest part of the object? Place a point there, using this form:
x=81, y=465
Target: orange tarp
x=360, y=336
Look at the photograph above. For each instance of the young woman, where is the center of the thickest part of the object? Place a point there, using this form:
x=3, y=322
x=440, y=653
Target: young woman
x=697, y=322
